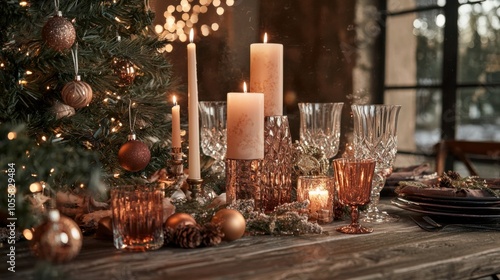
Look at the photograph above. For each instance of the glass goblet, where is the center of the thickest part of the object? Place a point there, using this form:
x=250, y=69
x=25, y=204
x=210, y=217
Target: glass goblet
x=320, y=126
x=354, y=178
x=213, y=132
x=375, y=136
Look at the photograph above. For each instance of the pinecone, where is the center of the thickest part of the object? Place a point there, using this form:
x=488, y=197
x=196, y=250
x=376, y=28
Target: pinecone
x=445, y=182
x=211, y=234
x=188, y=236
x=453, y=175
x=168, y=235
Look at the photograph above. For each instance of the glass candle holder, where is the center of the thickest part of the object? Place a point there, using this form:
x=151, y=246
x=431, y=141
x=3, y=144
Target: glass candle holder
x=320, y=192
x=243, y=180
x=277, y=164
x=137, y=217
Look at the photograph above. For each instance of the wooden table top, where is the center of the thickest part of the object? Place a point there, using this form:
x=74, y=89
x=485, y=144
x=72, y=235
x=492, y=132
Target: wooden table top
x=393, y=251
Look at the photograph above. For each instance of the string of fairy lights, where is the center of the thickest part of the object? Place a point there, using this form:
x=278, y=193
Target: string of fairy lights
x=181, y=18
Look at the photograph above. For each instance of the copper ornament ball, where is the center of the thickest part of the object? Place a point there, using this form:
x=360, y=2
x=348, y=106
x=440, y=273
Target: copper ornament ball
x=179, y=218
x=134, y=156
x=57, y=241
x=125, y=70
x=62, y=110
x=59, y=33
x=232, y=223
x=105, y=228
x=77, y=93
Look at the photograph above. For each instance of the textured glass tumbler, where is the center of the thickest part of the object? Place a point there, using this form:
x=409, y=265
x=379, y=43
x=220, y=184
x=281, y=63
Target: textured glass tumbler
x=320, y=192
x=277, y=165
x=320, y=126
x=375, y=136
x=137, y=217
x=213, y=132
x=353, y=179
x=243, y=180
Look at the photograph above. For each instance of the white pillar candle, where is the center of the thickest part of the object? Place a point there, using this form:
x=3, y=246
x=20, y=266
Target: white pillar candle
x=266, y=75
x=245, y=125
x=176, y=125
x=193, y=119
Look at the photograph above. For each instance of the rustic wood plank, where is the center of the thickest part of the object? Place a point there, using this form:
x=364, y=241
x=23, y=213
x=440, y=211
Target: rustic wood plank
x=393, y=251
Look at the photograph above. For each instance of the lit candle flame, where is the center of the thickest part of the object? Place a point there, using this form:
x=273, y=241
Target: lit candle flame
x=191, y=35
x=265, y=37
x=245, y=87
x=175, y=100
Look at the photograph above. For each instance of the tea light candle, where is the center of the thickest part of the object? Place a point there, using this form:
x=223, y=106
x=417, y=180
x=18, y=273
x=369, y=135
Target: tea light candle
x=318, y=199
x=266, y=75
x=319, y=190
x=176, y=125
x=193, y=119
x=245, y=125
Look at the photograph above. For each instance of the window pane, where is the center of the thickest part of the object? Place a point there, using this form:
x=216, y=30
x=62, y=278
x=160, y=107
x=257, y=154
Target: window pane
x=419, y=120
x=403, y=5
x=414, y=48
x=479, y=41
x=478, y=114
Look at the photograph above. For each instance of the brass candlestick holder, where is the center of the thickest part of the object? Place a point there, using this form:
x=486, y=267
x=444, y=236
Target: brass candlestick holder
x=195, y=188
x=176, y=167
x=172, y=177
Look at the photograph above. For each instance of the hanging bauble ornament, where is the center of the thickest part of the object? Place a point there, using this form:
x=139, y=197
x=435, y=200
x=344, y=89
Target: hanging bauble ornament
x=58, y=239
x=134, y=155
x=232, y=223
x=59, y=33
x=77, y=93
x=62, y=110
x=125, y=70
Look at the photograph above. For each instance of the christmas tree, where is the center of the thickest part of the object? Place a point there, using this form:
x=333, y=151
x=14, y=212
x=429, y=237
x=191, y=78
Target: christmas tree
x=77, y=77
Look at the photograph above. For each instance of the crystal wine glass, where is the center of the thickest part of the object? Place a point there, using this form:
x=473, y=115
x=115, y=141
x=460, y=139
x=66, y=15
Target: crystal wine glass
x=353, y=178
x=213, y=132
x=375, y=136
x=320, y=126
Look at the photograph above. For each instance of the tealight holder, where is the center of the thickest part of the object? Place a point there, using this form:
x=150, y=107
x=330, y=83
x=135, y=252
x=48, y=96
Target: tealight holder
x=319, y=190
x=243, y=180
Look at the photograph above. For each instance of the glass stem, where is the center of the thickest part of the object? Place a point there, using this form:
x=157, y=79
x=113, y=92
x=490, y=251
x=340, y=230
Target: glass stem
x=354, y=216
x=377, y=185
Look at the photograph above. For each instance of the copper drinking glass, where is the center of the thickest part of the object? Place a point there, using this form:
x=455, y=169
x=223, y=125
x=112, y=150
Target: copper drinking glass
x=137, y=217
x=354, y=178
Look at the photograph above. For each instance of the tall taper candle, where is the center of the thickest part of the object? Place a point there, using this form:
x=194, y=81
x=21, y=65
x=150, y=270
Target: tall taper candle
x=176, y=125
x=266, y=75
x=245, y=125
x=193, y=119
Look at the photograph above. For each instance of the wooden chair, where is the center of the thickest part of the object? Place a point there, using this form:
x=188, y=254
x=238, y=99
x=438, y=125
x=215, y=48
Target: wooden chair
x=462, y=150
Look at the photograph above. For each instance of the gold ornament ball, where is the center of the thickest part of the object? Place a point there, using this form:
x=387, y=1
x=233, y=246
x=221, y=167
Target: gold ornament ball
x=179, y=218
x=77, y=93
x=57, y=240
x=59, y=33
x=134, y=156
x=232, y=223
